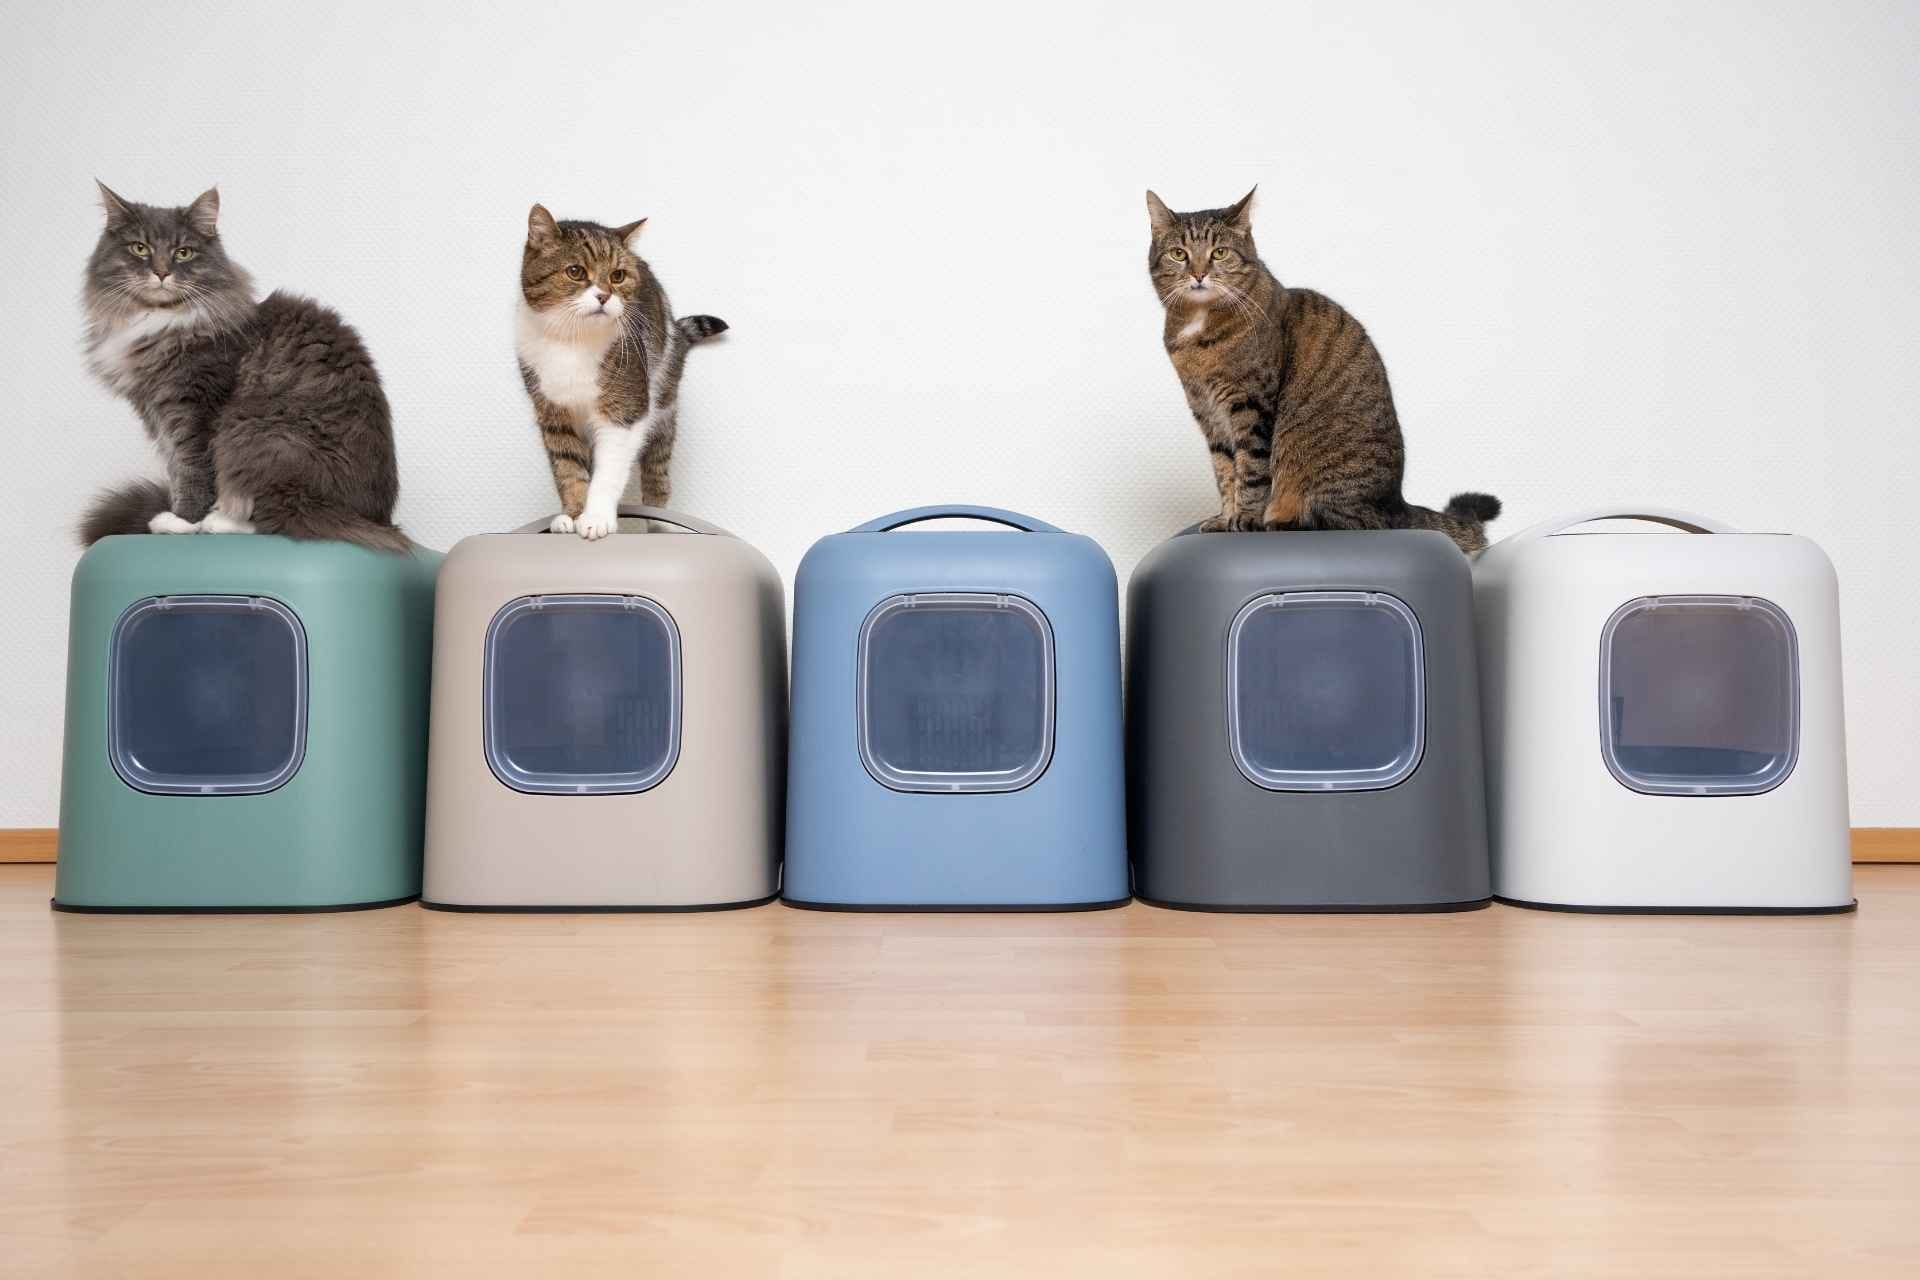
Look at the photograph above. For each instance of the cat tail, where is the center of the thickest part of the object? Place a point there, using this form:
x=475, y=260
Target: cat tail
x=127, y=509
x=333, y=524
x=687, y=330
x=700, y=328
x=1464, y=520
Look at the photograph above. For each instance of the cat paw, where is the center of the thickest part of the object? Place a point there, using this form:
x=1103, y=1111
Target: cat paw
x=218, y=521
x=562, y=523
x=1214, y=524
x=595, y=525
x=167, y=522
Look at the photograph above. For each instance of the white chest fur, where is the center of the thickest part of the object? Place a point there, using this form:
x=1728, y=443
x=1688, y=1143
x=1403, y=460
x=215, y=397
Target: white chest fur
x=566, y=365
x=110, y=354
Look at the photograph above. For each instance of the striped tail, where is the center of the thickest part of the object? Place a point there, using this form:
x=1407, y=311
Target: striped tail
x=700, y=328
x=1464, y=520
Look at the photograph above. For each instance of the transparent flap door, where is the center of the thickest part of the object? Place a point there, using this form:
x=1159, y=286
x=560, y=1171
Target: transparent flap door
x=1699, y=695
x=207, y=695
x=582, y=694
x=1326, y=691
x=956, y=692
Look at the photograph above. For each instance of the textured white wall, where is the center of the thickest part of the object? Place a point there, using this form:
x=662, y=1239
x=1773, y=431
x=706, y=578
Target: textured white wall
x=1644, y=251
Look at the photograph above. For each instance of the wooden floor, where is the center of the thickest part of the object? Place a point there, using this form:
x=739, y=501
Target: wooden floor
x=1137, y=1092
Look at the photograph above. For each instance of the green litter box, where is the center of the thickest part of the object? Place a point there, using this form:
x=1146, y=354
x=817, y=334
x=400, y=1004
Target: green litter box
x=246, y=725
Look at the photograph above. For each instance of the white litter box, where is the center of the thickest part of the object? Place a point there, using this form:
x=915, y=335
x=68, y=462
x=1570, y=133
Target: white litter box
x=1663, y=717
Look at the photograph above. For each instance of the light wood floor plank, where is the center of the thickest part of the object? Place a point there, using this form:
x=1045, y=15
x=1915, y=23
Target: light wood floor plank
x=1129, y=1093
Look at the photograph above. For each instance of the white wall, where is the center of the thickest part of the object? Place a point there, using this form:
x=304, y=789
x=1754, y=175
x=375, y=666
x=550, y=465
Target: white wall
x=1645, y=251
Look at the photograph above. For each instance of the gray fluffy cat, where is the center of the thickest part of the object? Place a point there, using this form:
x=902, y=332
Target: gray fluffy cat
x=269, y=415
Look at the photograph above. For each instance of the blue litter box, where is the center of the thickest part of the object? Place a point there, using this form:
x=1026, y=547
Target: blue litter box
x=956, y=738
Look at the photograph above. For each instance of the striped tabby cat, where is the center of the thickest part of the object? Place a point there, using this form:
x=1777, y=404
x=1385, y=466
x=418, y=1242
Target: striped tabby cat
x=601, y=356
x=1287, y=388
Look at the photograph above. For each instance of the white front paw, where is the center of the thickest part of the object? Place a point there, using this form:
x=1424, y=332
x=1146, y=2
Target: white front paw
x=167, y=522
x=218, y=521
x=562, y=523
x=594, y=525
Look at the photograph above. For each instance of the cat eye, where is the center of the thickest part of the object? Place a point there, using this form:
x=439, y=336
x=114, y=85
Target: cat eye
x=139, y=249
x=182, y=253
x=1219, y=255
x=616, y=277
x=1178, y=255
x=576, y=273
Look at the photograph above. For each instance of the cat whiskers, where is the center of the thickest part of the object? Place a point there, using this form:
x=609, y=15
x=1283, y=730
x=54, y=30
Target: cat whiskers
x=565, y=324
x=629, y=344
x=117, y=299
x=195, y=295
x=203, y=302
x=119, y=290
x=646, y=339
x=1242, y=301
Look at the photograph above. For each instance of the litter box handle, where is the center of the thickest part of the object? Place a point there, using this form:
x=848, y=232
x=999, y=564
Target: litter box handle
x=631, y=511
x=1685, y=521
x=955, y=511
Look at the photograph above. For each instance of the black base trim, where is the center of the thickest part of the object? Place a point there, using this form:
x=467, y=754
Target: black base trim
x=956, y=908
x=473, y=909
x=81, y=909
x=1682, y=911
x=1315, y=909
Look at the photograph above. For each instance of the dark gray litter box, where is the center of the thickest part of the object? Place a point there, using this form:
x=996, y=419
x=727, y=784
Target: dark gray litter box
x=1303, y=724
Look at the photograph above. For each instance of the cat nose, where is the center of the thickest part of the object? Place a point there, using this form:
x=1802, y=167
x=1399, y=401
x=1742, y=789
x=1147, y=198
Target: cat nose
x=601, y=296
x=1199, y=278
x=160, y=271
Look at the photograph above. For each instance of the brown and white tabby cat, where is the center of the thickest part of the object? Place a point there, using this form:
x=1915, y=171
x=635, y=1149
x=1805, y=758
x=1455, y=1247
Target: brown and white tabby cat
x=601, y=355
x=1287, y=388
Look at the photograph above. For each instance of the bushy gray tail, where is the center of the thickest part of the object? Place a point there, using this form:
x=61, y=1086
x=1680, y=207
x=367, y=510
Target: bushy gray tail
x=700, y=328
x=332, y=524
x=1464, y=520
x=127, y=509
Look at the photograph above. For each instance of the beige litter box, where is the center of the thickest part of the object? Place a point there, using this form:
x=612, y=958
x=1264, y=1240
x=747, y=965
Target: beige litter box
x=609, y=721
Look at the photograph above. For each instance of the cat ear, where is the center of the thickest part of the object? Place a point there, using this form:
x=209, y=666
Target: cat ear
x=204, y=212
x=541, y=228
x=116, y=207
x=629, y=233
x=1240, y=216
x=1158, y=212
